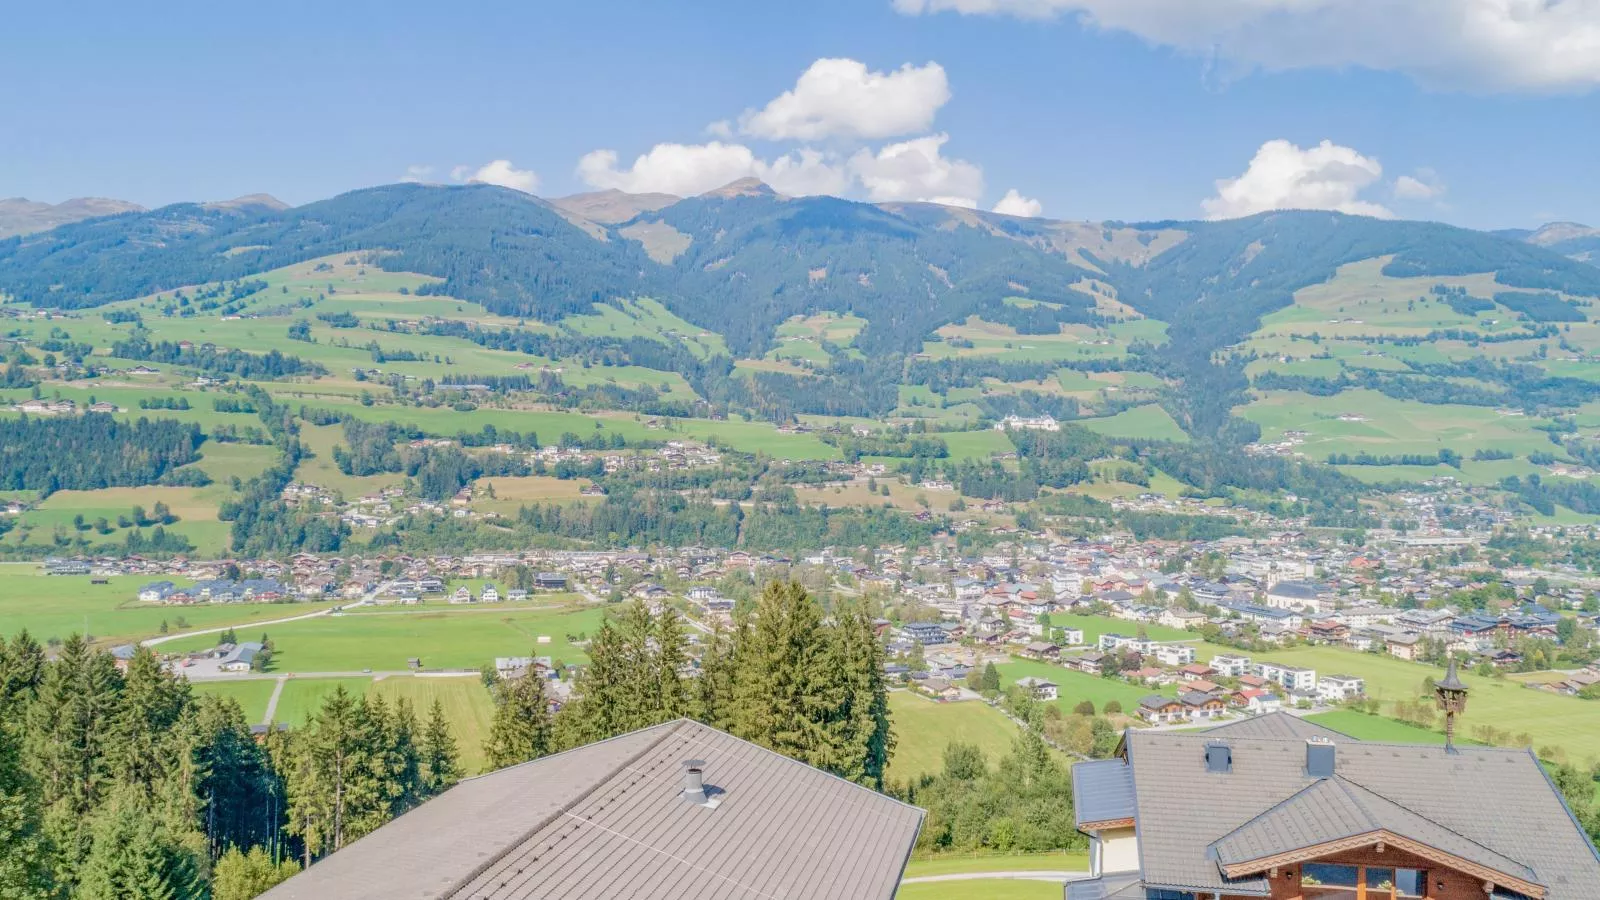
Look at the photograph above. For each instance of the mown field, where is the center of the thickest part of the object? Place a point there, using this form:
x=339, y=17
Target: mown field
x=55, y=606
x=924, y=728
x=442, y=639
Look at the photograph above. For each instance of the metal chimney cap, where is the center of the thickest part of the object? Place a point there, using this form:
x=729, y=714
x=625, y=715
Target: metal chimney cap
x=694, y=765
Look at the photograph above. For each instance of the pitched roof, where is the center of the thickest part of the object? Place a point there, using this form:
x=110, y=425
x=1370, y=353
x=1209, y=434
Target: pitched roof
x=1102, y=791
x=1496, y=800
x=1336, y=808
x=609, y=820
x=1275, y=725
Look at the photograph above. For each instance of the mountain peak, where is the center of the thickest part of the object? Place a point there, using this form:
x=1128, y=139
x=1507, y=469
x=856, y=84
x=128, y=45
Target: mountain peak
x=611, y=207
x=263, y=201
x=19, y=215
x=744, y=187
x=1556, y=232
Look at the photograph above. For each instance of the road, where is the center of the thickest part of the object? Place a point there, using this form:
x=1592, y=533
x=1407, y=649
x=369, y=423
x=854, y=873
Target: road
x=1057, y=877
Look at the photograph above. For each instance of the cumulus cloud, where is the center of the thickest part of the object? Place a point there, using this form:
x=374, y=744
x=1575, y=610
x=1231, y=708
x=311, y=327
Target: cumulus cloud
x=842, y=98
x=1424, y=185
x=500, y=172
x=1496, y=45
x=1014, y=204
x=1284, y=176
x=688, y=169
x=918, y=170
x=417, y=173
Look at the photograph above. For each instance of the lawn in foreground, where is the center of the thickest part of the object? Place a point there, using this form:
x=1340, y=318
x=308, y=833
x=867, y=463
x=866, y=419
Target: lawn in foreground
x=986, y=888
x=961, y=863
x=1375, y=728
x=923, y=728
x=442, y=639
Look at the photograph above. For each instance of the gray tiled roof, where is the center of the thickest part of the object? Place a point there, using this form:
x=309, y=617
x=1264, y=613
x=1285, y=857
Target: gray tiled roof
x=1102, y=790
x=1335, y=808
x=1108, y=887
x=1498, y=799
x=608, y=820
x=1276, y=725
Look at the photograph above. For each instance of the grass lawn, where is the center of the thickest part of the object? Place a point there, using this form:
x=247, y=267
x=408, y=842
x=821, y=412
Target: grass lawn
x=987, y=888
x=955, y=863
x=1149, y=422
x=55, y=606
x=466, y=703
x=444, y=640
x=252, y=695
x=302, y=696
x=923, y=728
x=1076, y=687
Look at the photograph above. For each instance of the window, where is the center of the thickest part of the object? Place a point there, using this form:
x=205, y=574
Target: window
x=1323, y=881
x=1329, y=881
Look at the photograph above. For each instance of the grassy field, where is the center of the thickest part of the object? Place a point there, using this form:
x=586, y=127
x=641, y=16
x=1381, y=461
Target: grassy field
x=444, y=640
x=252, y=695
x=466, y=703
x=1076, y=687
x=924, y=728
x=302, y=696
x=987, y=888
x=1360, y=420
x=957, y=863
x=1149, y=422
x=1376, y=728
x=55, y=606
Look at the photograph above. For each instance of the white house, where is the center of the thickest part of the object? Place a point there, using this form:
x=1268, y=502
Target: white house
x=1292, y=677
x=1038, y=688
x=1181, y=618
x=1231, y=666
x=1031, y=423
x=1072, y=637
x=1339, y=688
x=489, y=594
x=1174, y=654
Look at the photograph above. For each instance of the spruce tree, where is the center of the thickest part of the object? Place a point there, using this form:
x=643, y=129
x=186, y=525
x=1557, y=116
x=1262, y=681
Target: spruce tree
x=783, y=693
x=151, y=705
x=521, y=730
x=133, y=858
x=21, y=671
x=65, y=744
x=404, y=762
x=714, y=687
x=441, y=763
x=24, y=858
x=243, y=876
x=671, y=655
x=335, y=784
x=861, y=739
x=235, y=785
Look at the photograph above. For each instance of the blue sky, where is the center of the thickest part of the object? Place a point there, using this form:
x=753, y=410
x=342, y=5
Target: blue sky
x=1088, y=109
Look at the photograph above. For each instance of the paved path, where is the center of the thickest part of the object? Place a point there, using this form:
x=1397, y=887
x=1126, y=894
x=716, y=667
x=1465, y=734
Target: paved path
x=1058, y=877
x=374, y=674
x=272, y=702
x=151, y=642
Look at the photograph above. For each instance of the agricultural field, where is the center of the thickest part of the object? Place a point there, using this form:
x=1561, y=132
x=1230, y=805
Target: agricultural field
x=961, y=863
x=443, y=640
x=923, y=728
x=646, y=318
x=467, y=706
x=56, y=606
x=1075, y=687
x=1358, y=421
x=252, y=694
x=1148, y=422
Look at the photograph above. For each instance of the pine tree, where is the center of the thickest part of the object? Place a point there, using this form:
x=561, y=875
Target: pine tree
x=521, y=730
x=404, y=762
x=991, y=679
x=441, y=763
x=24, y=859
x=671, y=656
x=133, y=858
x=782, y=693
x=152, y=703
x=235, y=786
x=336, y=791
x=243, y=876
x=65, y=746
x=714, y=687
x=602, y=707
x=21, y=670
x=861, y=737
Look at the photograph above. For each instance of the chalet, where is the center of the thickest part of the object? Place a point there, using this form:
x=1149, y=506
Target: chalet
x=1161, y=710
x=1086, y=662
x=462, y=594
x=1181, y=618
x=240, y=657
x=550, y=581
x=1275, y=806
x=925, y=633
x=1042, y=650
x=1196, y=672
x=1202, y=707
x=1198, y=687
x=489, y=594
x=1327, y=632
x=1257, y=702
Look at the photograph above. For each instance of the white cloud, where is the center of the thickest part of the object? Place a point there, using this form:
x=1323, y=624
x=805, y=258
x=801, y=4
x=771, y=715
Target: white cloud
x=688, y=169
x=1424, y=185
x=1283, y=176
x=1014, y=204
x=842, y=98
x=1474, y=44
x=417, y=173
x=917, y=170
x=500, y=172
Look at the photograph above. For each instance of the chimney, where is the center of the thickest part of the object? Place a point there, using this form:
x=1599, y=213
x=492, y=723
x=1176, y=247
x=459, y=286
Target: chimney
x=1219, y=758
x=694, y=782
x=1320, y=756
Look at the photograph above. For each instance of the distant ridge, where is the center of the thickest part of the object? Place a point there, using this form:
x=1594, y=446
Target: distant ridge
x=260, y=201
x=744, y=187
x=19, y=215
x=612, y=207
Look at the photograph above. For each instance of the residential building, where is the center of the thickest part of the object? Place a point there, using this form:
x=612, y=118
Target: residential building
x=1174, y=654
x=925, y=633
x=1339, y=688
x=1038, y=688
x=677, y=811
x=1292, y=677
x=1275, y=806
x=1231, y=666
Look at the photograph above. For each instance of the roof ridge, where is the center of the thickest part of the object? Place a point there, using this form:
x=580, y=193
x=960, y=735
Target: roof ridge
x=1212, y=847
x=528, y=833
